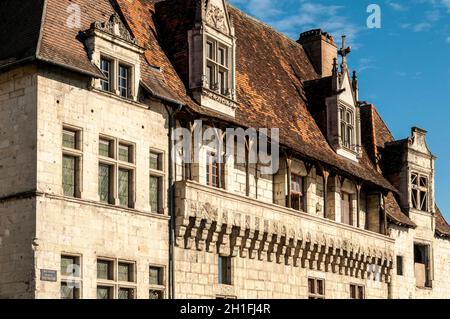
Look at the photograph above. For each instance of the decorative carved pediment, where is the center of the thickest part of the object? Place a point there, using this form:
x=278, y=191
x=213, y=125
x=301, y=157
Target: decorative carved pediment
x=115, y=27
x=215, y=17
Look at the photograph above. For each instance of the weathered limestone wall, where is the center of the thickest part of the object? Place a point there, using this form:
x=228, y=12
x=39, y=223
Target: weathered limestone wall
x=197, y=277
x=405, y=286
x=17, y=230
x=84, y=226
x=275, y=249
x=17, y=131
x=17, y=176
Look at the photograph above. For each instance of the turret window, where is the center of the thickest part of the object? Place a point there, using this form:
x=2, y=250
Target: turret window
x=419, y=191
x=217, y=72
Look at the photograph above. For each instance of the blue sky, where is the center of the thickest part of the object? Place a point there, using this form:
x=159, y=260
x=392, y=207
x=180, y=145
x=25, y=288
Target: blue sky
x=403, y=67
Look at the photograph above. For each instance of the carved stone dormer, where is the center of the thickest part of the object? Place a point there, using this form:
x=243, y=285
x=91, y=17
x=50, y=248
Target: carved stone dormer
x=212, y=46
x=112, y=47
x=343, y=112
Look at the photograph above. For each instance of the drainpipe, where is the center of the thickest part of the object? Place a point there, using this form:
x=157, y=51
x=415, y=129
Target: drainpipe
x=171, y=200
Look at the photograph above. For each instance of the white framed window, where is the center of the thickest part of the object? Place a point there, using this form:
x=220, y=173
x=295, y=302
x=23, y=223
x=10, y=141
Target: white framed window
x=106, y=66
x=217, y=66
x=419, y=191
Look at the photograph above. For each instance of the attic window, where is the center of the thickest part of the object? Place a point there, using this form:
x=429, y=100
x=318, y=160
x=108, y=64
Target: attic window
x=419, y=191
x=124, y=80
x=217, y=67
x=347, y=120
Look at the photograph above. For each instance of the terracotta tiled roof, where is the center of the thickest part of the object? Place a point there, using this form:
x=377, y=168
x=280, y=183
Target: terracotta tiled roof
x=442, y=227
x=395, y=213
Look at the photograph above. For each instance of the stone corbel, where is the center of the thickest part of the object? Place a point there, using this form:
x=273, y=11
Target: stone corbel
x=201, y=233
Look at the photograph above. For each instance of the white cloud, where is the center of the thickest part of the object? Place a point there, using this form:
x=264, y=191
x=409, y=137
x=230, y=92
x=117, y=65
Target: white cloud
x=308, y=15
x=424, y=26
x=397, y=6
x=448, y=39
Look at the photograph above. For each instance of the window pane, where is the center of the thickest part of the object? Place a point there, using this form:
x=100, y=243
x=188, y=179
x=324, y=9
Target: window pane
x=400, y=265
x=70, y=139
x=423, y=182
x=70, y=266
x=320, y=287
x=125, y=153
x=69, y=291
x=225, y=270
x=414, y=179
x=104, y=180
x=222, y=56
x=353, y=291
x=105, y=148
x=156, y=276
x=156, y=294
x=104, y=270
x=105, y=67
x=311, y=288
x=360, y=292
x=155, y=185
x=104, y=292
x=156, y=161
x=69, y=175
x=209, y=50
x=126, y=293
x=123, y=80
x=125, y=272
x=210, y=76
x=124, y=187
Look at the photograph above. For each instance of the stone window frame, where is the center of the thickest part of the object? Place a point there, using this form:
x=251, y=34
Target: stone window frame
x=161, y=286
x=345, y=125
x=227, y=278
x=301, y=193
x=159, y=173
x=400, y=265
x=357, y=291
x=116, y=165
x=417, y=202
x=73, y=280
x=220, y=167
x=429, y=268
x=217, y=66
x=114, y=75
x=114, y=284
x=77, y=154
x=315, y=294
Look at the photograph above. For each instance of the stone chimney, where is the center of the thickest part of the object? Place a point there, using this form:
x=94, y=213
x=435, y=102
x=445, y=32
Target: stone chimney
x=321, y=50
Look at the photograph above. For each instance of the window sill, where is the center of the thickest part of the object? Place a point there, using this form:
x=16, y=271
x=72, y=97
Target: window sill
x=119, y=98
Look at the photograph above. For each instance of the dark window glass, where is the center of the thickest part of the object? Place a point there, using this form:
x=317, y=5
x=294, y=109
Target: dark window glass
x=123, y=80
x=156, y=276
x=70, y=139
x=68, y=291
x=105, y=148
x=70, y=171
x=155, y=194
x=105, y=67
x=104, y=292
x=399, y=265
x=225, y=270
x=125, y=153
x=105, y=270
x=125, y=272
x=126, y=293
x=69, y=265
x=156, y=161
x=124, y=187
x=156, y=294
x=104, y=183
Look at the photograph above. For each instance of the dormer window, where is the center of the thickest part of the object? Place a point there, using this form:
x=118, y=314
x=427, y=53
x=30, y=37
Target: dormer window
x=347, y=128
x=217, y=72
x=212, y=65
x=419, y=191
x=116, y=53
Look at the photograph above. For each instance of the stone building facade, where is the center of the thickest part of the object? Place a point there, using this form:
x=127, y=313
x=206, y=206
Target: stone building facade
x=98, y=201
